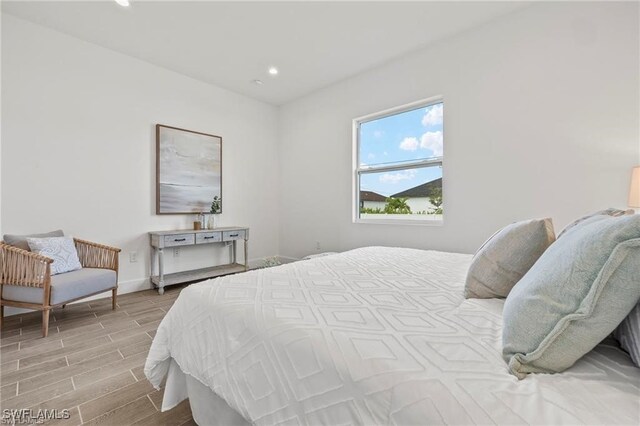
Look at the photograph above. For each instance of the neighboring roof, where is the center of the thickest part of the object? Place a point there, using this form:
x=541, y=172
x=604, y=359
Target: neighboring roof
x=371, y=196
x=420, y=191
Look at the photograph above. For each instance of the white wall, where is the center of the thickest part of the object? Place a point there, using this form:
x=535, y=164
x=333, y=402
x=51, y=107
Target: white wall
x=419, y=204
x=541, y=119
x=78, y=147
x=0, y=126
x=374, y=204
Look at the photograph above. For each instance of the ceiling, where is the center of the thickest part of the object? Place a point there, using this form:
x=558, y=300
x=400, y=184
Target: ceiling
x=230, y=44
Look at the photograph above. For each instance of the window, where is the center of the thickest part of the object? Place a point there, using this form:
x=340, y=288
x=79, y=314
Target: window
x=398, y=164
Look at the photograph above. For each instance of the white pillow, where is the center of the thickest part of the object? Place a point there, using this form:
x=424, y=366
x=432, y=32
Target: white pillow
x=505, y=257
x=61, y=249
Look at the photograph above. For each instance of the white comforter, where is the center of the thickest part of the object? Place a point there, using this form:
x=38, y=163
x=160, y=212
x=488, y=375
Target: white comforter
x=374, y=336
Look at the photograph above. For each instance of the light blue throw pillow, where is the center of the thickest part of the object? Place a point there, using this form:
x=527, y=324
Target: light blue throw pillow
x=61, y=249
x=606, y=212
x=575, y=295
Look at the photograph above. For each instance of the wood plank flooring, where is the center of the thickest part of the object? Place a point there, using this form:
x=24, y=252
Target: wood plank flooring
x=90, y=364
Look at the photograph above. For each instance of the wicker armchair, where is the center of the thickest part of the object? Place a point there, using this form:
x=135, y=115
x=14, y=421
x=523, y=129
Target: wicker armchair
x=25, y=275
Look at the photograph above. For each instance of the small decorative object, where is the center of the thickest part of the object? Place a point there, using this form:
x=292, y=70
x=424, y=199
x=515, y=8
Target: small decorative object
x=188, y=170
x=202, y=218
x=216, y=205
x=216, y=208
x=197, y=225
x=269, y=262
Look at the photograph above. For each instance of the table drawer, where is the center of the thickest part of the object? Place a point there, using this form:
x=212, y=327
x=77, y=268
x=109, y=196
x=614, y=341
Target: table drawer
x=179, y=240
x=208, y=237
x=233, y=235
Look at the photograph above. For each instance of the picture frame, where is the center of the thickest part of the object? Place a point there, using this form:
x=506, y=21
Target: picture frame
x=188, y=170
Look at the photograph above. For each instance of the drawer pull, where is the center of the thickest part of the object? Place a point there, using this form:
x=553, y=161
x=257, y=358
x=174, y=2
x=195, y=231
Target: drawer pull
x=233, y=235
x=179, y=239
x=208, y=238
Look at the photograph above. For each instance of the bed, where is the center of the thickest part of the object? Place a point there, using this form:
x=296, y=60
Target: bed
x=371, y=336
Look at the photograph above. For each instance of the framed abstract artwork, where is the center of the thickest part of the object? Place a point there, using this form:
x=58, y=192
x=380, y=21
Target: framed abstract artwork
x=188, y=170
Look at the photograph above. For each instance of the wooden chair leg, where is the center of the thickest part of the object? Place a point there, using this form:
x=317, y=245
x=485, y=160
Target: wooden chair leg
x=1, y=315
x=45, y=322
x=114, y=296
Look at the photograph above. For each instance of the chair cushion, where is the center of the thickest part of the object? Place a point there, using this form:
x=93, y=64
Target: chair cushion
x=20, y=241
x=65, y=287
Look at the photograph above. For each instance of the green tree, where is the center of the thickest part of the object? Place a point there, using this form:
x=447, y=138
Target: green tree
x=397, y=206
x=435, y=198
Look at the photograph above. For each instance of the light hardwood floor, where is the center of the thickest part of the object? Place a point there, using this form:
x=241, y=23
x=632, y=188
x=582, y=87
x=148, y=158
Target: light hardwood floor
x=91, y=363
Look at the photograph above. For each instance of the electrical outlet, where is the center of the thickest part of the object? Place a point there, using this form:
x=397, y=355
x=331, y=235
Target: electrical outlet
x=133, y=256
x=176, y=252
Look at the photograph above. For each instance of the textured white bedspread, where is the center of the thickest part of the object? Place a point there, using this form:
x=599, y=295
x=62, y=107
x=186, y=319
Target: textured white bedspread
x=374, y=336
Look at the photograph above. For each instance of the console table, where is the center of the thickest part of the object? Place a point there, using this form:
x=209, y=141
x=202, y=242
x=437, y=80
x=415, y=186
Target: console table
x=229, y=235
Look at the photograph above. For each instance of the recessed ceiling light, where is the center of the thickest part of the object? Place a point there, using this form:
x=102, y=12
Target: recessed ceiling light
x=273, y=71
x=123, y=3
x=257, y=82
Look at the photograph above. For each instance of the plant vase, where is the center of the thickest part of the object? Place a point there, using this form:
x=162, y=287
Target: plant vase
x=211, y=221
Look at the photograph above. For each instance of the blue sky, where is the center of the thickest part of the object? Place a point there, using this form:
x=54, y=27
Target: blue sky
x=411, y=135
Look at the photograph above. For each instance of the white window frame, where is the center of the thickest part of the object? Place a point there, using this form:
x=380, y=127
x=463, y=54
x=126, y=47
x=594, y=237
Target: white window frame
x=358, y=170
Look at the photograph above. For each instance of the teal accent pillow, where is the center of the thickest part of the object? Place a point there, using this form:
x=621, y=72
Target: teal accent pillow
x=580, y=289
x=606, y=212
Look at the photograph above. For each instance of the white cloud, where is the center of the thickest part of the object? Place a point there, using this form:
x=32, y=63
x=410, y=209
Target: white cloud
x=433, y=115
x=409, y=144
x=398, y=176
x=378, y=134
x=432, y=141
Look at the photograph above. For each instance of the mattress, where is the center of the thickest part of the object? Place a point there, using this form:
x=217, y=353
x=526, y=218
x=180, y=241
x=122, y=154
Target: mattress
x=374, y=336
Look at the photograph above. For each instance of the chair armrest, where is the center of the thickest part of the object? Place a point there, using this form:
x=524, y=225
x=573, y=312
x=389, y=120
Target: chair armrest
x=22, y=267
x=94, y=255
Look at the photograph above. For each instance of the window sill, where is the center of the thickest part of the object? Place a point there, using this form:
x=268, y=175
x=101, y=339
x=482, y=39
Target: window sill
x=410, y=222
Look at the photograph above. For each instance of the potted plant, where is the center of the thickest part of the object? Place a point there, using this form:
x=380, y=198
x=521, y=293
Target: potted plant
x=216, y=208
